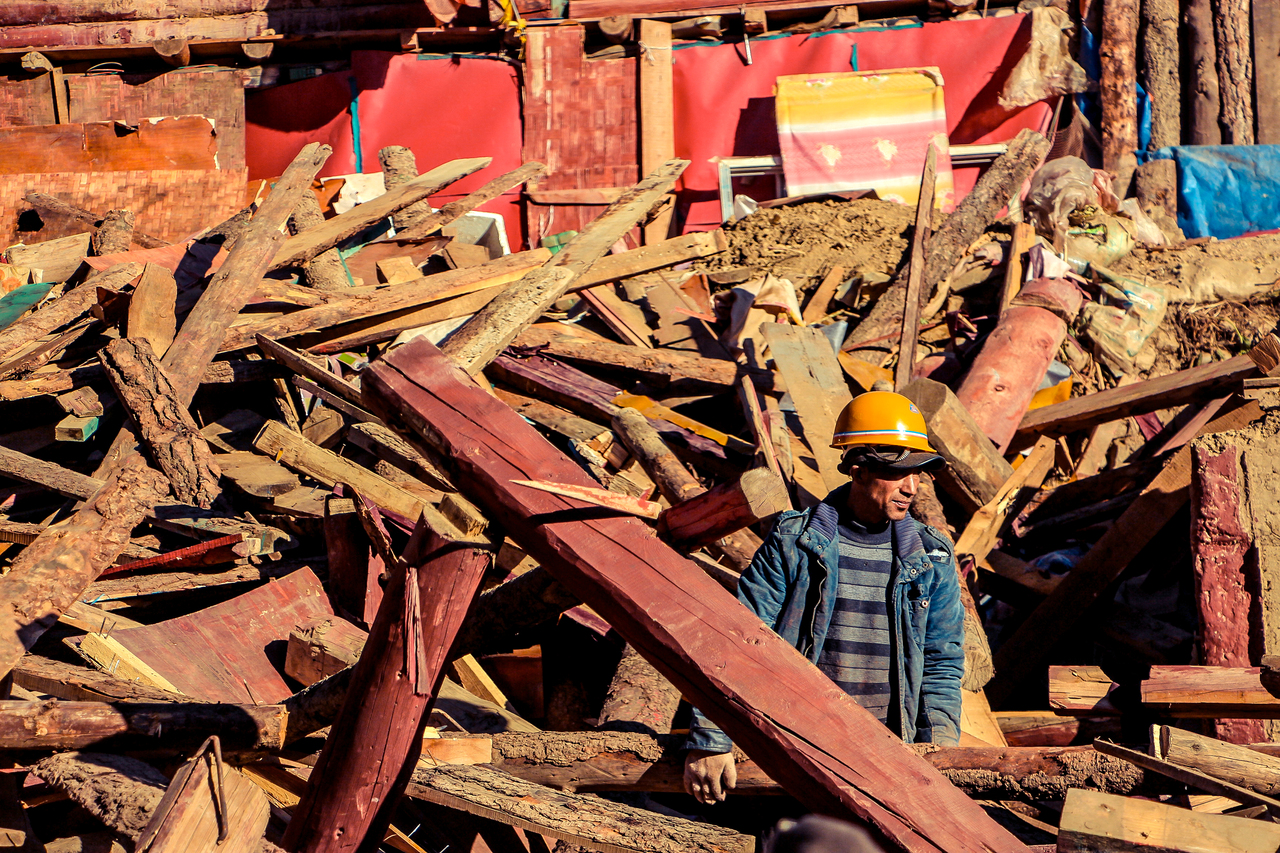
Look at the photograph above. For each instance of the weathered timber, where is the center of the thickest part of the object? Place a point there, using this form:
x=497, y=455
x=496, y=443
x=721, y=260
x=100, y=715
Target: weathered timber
x=803, y=357
x=1187, y=776
x=655, y=96
x=486, y=334
x=68, y=308
x=970, y=218
x=613, y=268
x=207, y=807
x=975, y=471
x=50, y=572
x=166, y=426
x=1231, y=26
x=829, y=754
x=1118, y=51
x=137, y=725
x=758, y=494
x=1093, y=822
x=1229, y=762
x=426, y=225
x=399, y=167
x=1024, y=652
x=1266, y=65
x=979, y=536
x=305, y=246
x=1175, y=389
x=325, y=271
x=1161, y=55
x=915, y=271
x=375, y=742
x=616, y=761
x=639, y=698
x=359, y=315
x=674, y=481
x=589, y=822
x=80, y=684
x=114, y=234
x=1204, y=101
x=1212, y=691
x=43, y=201
x=152, y=309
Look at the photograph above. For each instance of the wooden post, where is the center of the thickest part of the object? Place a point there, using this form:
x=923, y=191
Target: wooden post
x=1118, y=49
x=915, y=274
x=375, y=742
x=166, y=426
x=1235, y=69
x=654, y=97
x=1157, y=180
x=325, y=271
x=1205, y=102
x=1266, y=69
x=399, y=167
x=830, y=753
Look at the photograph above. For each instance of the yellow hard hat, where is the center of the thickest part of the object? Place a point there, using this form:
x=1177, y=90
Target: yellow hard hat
x=882, y=418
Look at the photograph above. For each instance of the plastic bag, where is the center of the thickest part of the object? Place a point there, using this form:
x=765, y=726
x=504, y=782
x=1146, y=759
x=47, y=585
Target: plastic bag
x=1046, y=70
x=1102, y=244
x=1144, y=229
x=1124, y=318
x=1058, y=190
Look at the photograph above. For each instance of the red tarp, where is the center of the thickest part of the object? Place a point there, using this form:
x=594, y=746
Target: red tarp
x=449, y=108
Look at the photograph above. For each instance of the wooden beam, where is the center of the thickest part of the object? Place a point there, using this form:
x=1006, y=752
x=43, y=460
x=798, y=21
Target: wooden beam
x=480, y=341
x=758, y=494
x=1023, y=653
x=166, y=426
x=140, y=726
x=830, y=753
x=975, y=471
x=68, y=308
x=305, y=246
x=453, y=210
x=1211, y=691
x=657, y=113
x=1093, y=822
x=980, y=534
x=376, y=740
x=915, y=272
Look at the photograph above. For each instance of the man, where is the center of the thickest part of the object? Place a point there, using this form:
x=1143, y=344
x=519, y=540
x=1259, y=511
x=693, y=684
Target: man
x=867, y=593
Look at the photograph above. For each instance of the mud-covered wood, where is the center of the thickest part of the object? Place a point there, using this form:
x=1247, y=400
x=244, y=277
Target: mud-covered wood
x=50, y=573
x=804, y=731
x=137, y=725
x=639, y=698
x=166, y=426
x=68, y=308
x=115, y=234
x=486, y=334
x=376, y=740
x=589, y=822
x=325, y=271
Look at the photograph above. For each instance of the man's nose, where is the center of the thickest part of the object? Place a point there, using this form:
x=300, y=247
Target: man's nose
x=910, y=485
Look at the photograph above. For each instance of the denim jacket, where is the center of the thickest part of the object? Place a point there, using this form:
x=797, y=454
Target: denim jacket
x=791, y=585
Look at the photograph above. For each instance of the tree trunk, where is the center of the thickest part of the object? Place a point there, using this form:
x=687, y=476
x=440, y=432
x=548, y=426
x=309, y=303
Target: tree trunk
x=1118, y=50
x=1235, y=69
x=639, y=698
x=1205, y=102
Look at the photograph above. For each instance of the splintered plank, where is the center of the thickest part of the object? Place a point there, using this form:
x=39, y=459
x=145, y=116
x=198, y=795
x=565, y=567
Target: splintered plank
x=220, y=654
x=809, y=367
x=302, y=248
x=1093, y=821
x=806, y=733
x=590, y=822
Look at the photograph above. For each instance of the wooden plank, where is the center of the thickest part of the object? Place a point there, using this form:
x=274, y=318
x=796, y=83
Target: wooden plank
x=1024, y=235
x=657, y=113
x=816, y=308
x=1094, y=822
x=915, y=272
x=305, y=246
x=809, y=368
x=173, y=142
x=1023, y=653
x=589, y=822
x=110, y=656
x=667, y=253
x=208, y=807
x=1175, y=389
x=81, y=684
x=1210, y=691
x=478, y=342
x=829, y=754
x=980, y=534
x=1081, y=690
x=151, y=309
x=68, y=308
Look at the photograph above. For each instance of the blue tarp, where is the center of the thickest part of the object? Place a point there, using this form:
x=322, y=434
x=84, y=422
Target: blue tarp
x=1226, y=190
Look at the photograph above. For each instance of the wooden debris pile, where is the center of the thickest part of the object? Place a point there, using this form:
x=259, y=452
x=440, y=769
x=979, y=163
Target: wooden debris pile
x=326, y=536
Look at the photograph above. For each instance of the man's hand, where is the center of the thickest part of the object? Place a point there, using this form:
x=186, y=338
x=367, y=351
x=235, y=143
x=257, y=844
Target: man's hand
x=709, y=776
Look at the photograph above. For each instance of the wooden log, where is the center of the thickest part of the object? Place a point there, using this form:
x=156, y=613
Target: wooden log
x=137, y=725
x=1118, y=50
x=1175, y=389
x=152, y=309
x=639, y=698
x=915, y=272
x=617, y=29
x=674, y=481
x=399, y=167
x=325, y=271
x=950, y=243
x=588, y=822
x=50, y=573
x=1022, y=653
x=815, y=755
x=1238, y=765
x=725, y=509
x=975, y=471
x=1093, y=822
x=1205, y=101
x=305, y=246
x=120, y=791
x=377, y=738
x=68, y=308
x=477, y=343
x=167, y=429
x=452, y=211
x=361, y=305
x=1003, y=378
x=174, y=51
x=599, y=762
x=114, y=234
x=1231, y=26
x=58, y=207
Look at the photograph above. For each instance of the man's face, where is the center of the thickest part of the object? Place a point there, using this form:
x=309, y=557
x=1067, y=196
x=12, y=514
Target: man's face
x=879, y=496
